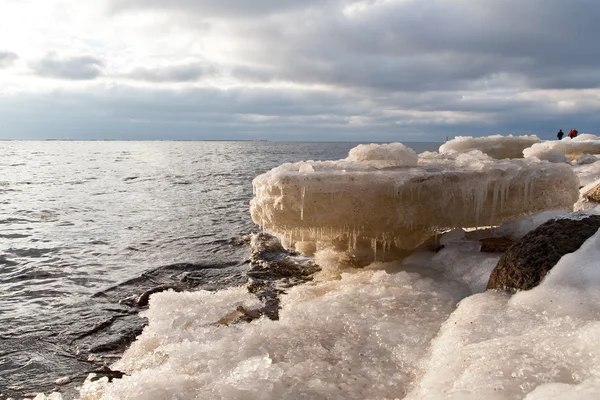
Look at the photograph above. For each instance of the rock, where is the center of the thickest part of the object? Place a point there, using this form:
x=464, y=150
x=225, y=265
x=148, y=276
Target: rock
x=495, y=244
x=272, y=270
x=62, y=381
x=525, y=264
x=106, y=371
x=593, y=194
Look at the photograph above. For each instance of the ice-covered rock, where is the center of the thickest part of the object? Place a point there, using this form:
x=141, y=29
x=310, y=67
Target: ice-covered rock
x=496, y=146
x=368, y=210
x=536, y=344
x=570, y=148
x=526, y=263
x=586, y=159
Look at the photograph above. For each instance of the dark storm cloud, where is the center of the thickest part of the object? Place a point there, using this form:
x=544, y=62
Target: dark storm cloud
x=410, y=45
x=123, y=112
x=82, y=67
x=7, y=58
x=220, y=8
x=429, y=45
x=188, y=72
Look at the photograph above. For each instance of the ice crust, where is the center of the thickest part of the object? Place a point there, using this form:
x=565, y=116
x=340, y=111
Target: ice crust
x=496, y=146
x=569, y=148
x=360, y=337
x=370, y=211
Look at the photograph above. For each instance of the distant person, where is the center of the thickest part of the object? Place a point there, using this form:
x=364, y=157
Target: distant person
x=560, y=134
x=573, y=133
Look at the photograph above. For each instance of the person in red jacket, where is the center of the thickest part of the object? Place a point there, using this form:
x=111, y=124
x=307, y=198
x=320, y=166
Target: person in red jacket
x=573, y=133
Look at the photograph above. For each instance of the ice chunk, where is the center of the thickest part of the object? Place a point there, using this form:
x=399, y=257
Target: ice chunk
x=586, y=159
x=517, y=229
x=355, y=207
x=496, y=146
x=384, y=155
x=570, y=148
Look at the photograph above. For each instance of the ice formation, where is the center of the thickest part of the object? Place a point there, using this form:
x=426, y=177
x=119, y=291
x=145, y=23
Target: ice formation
x=539, y=343
x=496, y=146
x=361, y=337
x=569, y=148
x=358, y=206
x=384, y=155
x=390, y=331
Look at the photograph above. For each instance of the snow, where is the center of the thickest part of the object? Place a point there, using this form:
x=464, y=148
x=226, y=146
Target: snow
x=570, y=148
x=384, y=155
x=587, y=173
x=392, y=330
x=498, y=346
x=496, y=146
x=360, y=337
x=373, y=211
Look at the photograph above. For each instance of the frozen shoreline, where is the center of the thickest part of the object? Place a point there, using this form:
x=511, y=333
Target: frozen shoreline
x=420, y=328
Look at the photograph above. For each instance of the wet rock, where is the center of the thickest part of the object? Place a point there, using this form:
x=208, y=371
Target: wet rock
x=274, y=269
x=106, y=371
x=525, y=264
x=495, y=244
x=144, y=298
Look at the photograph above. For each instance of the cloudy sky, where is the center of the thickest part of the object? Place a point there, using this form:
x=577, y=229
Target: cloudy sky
x=367, y=70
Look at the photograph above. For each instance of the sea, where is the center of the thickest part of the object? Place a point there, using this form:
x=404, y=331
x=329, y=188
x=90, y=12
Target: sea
x=88, y=227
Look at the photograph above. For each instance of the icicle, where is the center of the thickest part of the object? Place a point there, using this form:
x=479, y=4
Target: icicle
x=374, y=248
x=494, y=202
x=302, y=204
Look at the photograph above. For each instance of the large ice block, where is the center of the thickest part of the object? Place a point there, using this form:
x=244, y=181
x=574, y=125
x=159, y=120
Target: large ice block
x=496, y=146
x=355, y=205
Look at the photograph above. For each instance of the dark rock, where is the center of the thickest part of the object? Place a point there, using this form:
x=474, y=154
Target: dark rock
x=272, y=270
x=495, y=244
x=525, y=264
x=106, y=371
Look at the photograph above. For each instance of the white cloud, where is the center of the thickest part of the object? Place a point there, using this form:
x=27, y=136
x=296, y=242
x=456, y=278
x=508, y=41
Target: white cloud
x=445, y=66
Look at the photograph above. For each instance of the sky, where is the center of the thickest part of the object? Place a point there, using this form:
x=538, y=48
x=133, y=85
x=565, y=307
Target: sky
x=330, y=70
